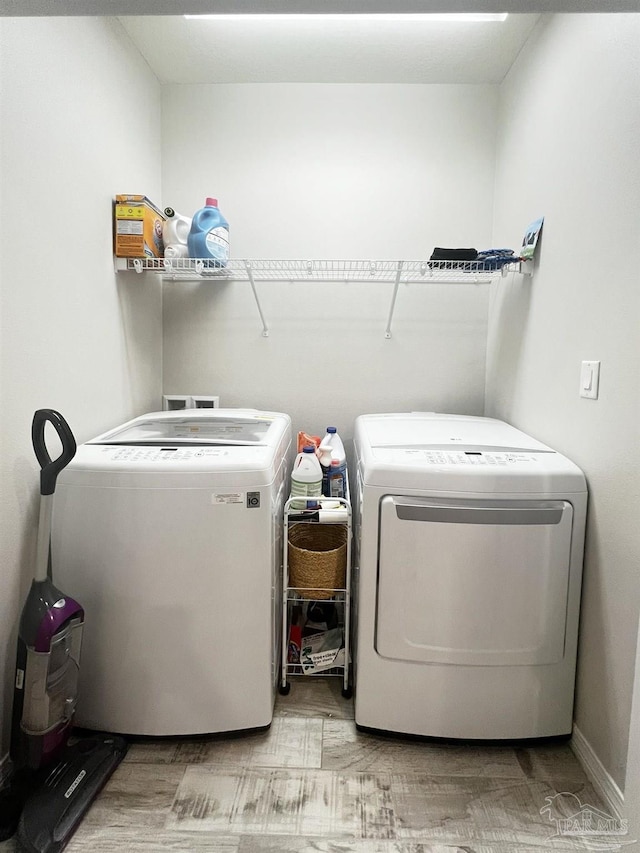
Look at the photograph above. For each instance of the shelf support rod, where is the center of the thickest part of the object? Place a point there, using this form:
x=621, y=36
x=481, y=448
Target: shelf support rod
x=387, y=333
x=265, y=329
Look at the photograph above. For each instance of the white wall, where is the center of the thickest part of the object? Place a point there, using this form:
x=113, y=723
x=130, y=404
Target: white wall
x=80, y=120
x=332, y=171
x=632, y=784
x=568, y=136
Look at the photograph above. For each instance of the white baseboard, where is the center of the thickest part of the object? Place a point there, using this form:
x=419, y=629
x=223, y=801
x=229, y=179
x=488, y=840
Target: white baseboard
x=598, y=775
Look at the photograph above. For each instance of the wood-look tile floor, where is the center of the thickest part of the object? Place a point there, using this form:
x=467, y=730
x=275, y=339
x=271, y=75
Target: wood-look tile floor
x=312, y=782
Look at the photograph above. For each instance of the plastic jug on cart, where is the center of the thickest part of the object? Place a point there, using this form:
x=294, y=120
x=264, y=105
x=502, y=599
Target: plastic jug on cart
x=333, y=440
x=324, y=456
x=306, y=477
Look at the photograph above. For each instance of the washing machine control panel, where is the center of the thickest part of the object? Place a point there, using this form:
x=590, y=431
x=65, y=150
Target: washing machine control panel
x=160, y=454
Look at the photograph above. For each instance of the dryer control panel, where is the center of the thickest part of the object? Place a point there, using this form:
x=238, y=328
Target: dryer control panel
x=449, y=456
x=475, y=457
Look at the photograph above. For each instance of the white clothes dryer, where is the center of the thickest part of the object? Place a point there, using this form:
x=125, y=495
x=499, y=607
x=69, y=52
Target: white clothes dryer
x=469, y=547
x=168, y=529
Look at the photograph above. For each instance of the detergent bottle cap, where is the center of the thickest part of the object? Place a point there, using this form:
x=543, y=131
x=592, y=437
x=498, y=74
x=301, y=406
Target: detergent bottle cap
x=309, y=449
x=211, y=202
x=331, y=429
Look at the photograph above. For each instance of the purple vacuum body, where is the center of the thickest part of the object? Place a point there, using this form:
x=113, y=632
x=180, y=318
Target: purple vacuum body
x=46, y=686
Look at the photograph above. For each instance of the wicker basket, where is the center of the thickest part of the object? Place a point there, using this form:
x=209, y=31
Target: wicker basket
x=317, y=558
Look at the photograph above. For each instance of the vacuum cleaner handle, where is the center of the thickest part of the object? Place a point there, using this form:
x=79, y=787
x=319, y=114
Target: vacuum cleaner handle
x=51, y=468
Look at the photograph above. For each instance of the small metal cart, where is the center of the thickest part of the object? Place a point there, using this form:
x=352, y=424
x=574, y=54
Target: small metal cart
x=329, y=512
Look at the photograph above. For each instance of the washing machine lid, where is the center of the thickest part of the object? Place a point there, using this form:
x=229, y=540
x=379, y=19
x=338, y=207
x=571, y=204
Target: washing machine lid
x=458, y=453
x=235, y=445
x=201, y=427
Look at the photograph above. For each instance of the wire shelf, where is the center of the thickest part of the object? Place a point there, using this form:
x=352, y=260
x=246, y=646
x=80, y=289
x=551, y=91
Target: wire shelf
x=337, y=271
x=316, y=270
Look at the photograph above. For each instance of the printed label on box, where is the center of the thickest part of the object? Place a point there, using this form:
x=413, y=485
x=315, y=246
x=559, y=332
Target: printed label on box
x=124, y=212
x=128, y=226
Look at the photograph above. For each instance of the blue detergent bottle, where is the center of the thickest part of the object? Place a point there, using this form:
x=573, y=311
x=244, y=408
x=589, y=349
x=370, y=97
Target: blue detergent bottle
x=209, y=235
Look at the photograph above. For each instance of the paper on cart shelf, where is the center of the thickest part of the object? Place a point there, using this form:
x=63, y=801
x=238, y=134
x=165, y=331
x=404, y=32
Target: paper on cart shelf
x=322, y=651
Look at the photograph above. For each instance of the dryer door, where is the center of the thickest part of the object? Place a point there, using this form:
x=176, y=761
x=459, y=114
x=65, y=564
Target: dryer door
x=473, y=582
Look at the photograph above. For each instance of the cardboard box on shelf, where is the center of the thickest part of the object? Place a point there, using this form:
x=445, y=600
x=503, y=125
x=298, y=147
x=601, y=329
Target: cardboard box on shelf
x=137, y=227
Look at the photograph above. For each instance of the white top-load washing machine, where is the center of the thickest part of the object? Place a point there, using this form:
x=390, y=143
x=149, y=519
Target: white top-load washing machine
x=469, y=539
x=168, y=530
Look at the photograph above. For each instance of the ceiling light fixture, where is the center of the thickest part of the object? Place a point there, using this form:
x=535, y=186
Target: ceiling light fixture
x=462, y=17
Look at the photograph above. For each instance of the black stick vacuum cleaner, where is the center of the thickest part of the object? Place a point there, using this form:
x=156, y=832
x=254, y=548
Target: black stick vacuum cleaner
x=56, y=775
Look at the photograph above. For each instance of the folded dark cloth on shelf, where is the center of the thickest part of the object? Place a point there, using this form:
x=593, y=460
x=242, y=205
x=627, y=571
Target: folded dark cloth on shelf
x=495, y=259
x=440, y=254
x=500, y=253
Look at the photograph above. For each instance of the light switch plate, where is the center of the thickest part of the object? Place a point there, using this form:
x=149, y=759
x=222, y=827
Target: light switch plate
x=590, y=379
